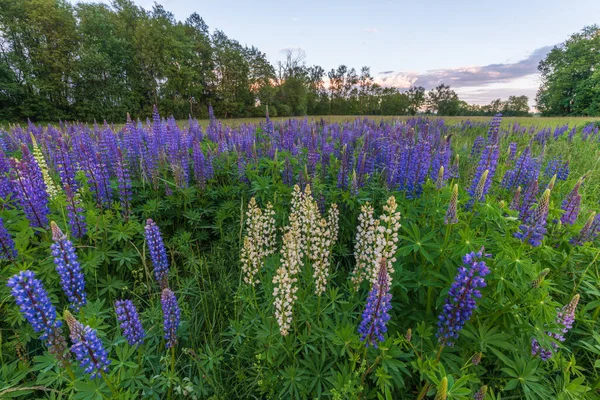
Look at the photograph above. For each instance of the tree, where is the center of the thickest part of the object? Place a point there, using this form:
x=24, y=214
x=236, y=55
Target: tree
x=443, y=101
x=416, y=99
x=571, y=75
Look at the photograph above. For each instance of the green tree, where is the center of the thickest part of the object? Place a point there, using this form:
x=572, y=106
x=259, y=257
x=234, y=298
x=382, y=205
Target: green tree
x=571, y=76
x=443, y=101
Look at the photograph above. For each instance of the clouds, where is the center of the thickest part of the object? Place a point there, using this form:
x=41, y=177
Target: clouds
x=478, y=83
x=371, y=30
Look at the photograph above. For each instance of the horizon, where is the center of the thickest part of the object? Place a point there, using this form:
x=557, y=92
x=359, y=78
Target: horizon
x=501, y=60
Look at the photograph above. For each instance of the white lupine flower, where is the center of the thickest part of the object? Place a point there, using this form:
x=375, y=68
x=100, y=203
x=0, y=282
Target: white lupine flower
x=41, y=161
x=364, y=248
x=386, y=240
x=325, y=236
x=259, y=241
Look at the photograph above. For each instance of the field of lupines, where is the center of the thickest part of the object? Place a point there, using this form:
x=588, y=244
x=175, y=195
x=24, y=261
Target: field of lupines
x=364, y=260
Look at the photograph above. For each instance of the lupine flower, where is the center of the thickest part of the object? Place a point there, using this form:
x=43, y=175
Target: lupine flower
x=29, y=189
x=442, y=390
x=478, y=193
x=129, y=320
x=124, y=182
x=6, y=188
x=515, y=204
x=33, y=300
x=376, y=313
x=7, y=245
x=540, y=278
x=480, y=395
x=87, y=347
x=408, y=335
x=534, y=229
x=41, y=161
x=451, y=215
x=171, y=316
x=589, y=231
x=453, y=172
x=158, y=254
x=259, y=241
x=512, y=152
x=68, y=268
x=461, y=300
x=325, y=235
x=364, y=247
x=524, y=171
x=477, y=146
x=386, y=239
x=477, y=358
x=284, y=281
x=551, y=183
x=564, y=319
x=439, y=183
x=75, y=213
x=571, y=205
x=528, y=200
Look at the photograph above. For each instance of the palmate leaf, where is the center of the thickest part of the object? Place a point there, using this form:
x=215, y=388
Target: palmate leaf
x=523, y=375
x=488, y=337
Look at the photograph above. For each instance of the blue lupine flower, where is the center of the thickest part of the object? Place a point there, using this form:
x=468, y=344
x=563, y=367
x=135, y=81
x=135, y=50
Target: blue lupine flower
x=564, y=319
x=461, y=300
x=29, y=189
x=158, y=254
x=124, y=182
x=75, y=213
x=87, y=347
x=523, y=173
x=534, y=229
x=7, y=245
x=531, y=192
x=171, y=316
x=376, y=313
x=130, y=322
x=33, y=300
x=571, y=205
x=451, y=217
x=589, y=232
x=199, y=164
x=477, y=146
x=68, y=268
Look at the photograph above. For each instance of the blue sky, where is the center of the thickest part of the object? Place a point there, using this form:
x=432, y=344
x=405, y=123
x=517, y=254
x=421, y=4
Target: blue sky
x=483, y=49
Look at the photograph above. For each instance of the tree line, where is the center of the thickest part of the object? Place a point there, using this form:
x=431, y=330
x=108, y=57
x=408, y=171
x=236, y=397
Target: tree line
x=94, y=61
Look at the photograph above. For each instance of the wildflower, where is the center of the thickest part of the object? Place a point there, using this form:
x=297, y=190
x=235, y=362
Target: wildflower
x=528, y=200
x=516, y=201
x=524, y=171
x=439, y=183
x=130, y=323
x=75, y=213
x=171, y=316
x=589, y=231
x=29, y=189
x=408, y=335
x=564, y=319
x=158, y=254
x=571, y=205
x=7, y=245
x=461, y=300
x=33, y=300
x=454, y=172
x=365, y=244
x=477, y=358
x=68, y=268
x=284, y=281
x=533, y=230
x=480, y=395
x=376, y=313
x=124, y=182
x=479, y=192
x=259, y=241
x=451, y=217
x=552, y=182
x=325, y=235
x=540, y=278
x=41, y=161
x=87, y=347
x=442, y=390
x=386, y=239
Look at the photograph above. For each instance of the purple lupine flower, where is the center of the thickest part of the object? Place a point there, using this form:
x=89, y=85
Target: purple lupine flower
x=33, y=300
x=87, y=347
x=571, y=205
x=199, y=164
x=376, y=313
x=6, y=188
x=558, y=168
x=494, y=129
x=454, y=168
x=515, y=204
x=158, y=253
x=343, y=172
x=30, y=189
x=97, y=174
x=588, y=233
x=524, y=171
x=171, y=316
x=512, y=152
x=564, y=319
x=75, y=213
x=461, y=299
x=477, y=147
x=64, y=164
x=72, y=279
x=124, y=182
x=7, y=245
x=130, y=323
x=534, y=229
x=287, y=176
x=451, y=217
x=488, y=161
x=528, y=200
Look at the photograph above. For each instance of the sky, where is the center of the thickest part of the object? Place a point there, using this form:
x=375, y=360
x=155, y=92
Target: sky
x=483, y=49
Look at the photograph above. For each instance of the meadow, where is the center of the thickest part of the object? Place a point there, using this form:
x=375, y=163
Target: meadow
x=335, y=258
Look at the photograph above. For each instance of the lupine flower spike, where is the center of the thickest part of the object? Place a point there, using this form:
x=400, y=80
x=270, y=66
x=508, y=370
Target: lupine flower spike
x=365, y=244
x=72, y=279
x=259, y=241
x=571, y=205
x=129, y=320
x=451, y=215
x=386, y=240
x=480, y=395
x=439, y=183
x=7, y=245
x=158, y=254
x=87, y=347
x=540, y=278
x=41, y=161
x=461, y=300
x=171, y=316
x=589, y=231
x=534, y=229
x=376, y=313
x=442, y=390
x=564, y=319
